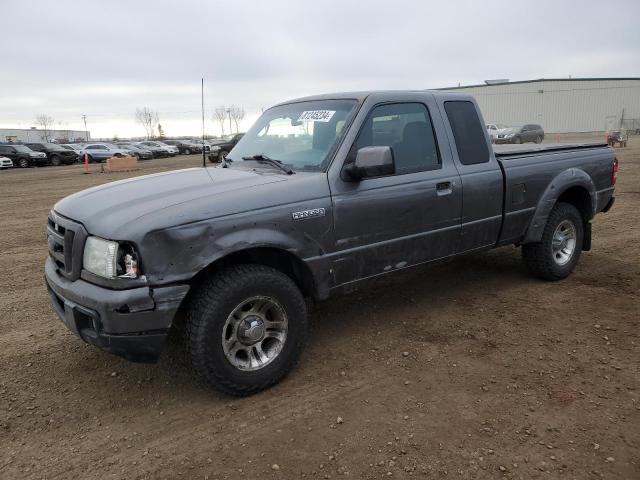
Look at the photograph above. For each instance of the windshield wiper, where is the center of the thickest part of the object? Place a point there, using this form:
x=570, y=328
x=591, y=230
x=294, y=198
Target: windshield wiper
x=262, y=158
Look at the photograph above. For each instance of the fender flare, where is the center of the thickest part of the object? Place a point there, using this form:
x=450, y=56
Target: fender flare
x=261, y=238
x=572, y=177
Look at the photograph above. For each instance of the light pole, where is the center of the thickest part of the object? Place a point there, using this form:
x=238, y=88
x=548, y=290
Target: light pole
x=86, y=132
x=229, y=112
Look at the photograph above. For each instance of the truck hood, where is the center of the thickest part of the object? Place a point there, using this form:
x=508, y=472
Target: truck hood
x=112, y=209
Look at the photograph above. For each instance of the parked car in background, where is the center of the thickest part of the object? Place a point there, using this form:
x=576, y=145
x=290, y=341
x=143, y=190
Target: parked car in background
x=170, y=149
x=617, y=136
x=185, y=147
x=495, y=128
x=99, y=152
x=55, y=153
x=138, y=152
x=219, y=150
x=521, y=134
x=22, y=156
x=5, y=162
x=157, y=152
x=207, y=145
x=76, y=147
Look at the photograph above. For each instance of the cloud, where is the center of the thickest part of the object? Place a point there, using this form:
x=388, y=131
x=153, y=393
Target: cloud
x=104, y=59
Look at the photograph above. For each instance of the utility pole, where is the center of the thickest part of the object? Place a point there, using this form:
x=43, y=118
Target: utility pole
x=229, y=112
x=86, y=132
x=204, y=161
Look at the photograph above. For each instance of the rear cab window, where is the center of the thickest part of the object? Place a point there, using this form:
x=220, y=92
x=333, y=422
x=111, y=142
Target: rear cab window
x=469, y=136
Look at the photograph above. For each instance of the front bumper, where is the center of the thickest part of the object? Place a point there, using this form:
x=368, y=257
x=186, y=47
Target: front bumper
x=504, y=140
x=130, y=323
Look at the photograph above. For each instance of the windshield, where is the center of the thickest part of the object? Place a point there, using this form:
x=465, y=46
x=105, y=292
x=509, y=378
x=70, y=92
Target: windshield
x=300, y=135
x=21, y=148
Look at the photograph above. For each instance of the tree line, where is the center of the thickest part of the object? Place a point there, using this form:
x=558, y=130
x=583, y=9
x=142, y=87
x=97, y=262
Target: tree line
x=227, y=118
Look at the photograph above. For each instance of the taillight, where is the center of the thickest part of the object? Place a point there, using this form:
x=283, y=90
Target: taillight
x=614, y=175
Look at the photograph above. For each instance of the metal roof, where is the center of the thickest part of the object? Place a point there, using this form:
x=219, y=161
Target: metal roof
x=587, y=79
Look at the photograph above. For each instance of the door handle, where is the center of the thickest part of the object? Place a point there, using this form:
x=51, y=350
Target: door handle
x=444, y=188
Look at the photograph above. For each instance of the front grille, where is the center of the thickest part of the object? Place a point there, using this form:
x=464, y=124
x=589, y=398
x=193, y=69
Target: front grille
x=65, y=239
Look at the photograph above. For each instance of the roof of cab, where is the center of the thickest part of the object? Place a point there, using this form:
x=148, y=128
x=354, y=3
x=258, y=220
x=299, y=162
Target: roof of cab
x=360, y=96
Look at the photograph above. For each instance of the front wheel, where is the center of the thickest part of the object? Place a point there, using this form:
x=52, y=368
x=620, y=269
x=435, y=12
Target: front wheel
x=55, y=160
x=538, y=139
x=23, y=163
x=517, y=140
x=187, y=151
x=555, y=256
x=246, y=327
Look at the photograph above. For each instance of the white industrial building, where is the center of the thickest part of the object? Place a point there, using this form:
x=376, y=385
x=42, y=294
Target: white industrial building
x=567, y=105
x=26, y=135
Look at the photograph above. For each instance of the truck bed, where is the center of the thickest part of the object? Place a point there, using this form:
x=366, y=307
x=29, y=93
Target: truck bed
x=532, y=173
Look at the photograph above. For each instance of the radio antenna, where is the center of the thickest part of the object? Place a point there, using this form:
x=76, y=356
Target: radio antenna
x=204, y=161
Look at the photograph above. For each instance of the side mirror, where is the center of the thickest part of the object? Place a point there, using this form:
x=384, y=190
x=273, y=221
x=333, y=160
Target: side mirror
x=371, y=162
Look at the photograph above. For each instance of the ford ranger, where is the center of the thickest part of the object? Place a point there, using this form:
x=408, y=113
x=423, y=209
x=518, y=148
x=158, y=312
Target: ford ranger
x=320, y=195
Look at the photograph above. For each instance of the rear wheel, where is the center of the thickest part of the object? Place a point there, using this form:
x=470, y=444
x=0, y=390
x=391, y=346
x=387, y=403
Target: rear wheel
x=246, y=327
x=555, y=256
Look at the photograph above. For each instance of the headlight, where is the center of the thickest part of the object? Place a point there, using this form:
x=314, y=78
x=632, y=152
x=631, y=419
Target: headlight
x=110, y=259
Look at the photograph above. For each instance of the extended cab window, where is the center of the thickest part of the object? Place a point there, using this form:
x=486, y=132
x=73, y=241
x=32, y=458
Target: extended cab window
x=407, y=129
x=467, y=132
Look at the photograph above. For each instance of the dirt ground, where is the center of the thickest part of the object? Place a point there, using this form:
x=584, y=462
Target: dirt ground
x=470, y=369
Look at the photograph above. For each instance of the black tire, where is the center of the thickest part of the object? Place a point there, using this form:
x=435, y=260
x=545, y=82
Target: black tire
x=210, y=306
x=23, y=163
x=538, y=139
x=539, y=257
x=55, y=160
x=221, y=155
x=187, y=151
x=517, y=140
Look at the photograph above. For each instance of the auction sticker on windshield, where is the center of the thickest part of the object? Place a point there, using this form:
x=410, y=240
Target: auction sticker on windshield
x=316, y=115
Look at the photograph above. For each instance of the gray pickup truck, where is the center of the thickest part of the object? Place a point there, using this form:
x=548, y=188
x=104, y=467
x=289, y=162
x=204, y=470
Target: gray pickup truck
x=322, y=194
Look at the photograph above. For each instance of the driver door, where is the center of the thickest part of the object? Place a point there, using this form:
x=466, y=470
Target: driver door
x=410, y=217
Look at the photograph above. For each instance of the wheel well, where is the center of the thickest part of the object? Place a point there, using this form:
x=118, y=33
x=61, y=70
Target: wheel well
x=276, y=258
x=578, y=197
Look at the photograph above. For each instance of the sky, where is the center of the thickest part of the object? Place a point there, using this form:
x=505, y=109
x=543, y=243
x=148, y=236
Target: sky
x=104, y=59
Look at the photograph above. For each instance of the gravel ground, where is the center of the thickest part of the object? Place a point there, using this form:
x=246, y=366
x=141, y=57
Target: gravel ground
x=471, y=369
